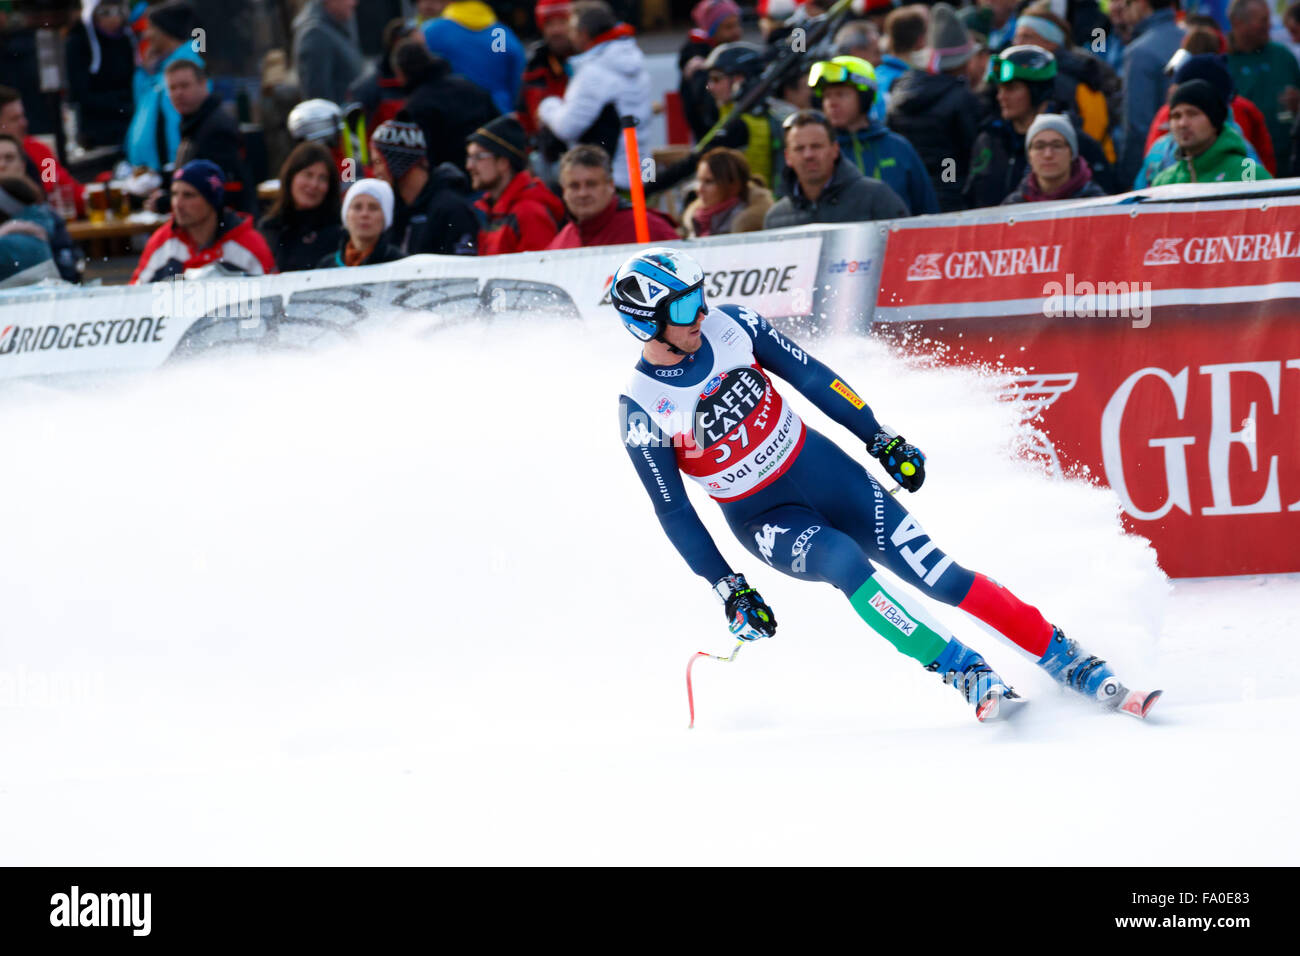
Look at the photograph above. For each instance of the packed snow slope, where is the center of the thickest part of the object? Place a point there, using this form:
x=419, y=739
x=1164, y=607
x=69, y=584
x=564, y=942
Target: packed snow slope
x=408, y=603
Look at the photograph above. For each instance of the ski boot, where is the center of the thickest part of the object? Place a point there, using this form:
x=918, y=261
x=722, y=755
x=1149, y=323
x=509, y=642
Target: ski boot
x=966, y=670
x=1088, y=674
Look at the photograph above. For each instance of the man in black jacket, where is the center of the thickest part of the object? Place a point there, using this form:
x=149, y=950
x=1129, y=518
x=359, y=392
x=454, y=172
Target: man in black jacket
x=937, y=112
x=822, y=185
x=101, y=65
x=208, y=132
x=433, y=213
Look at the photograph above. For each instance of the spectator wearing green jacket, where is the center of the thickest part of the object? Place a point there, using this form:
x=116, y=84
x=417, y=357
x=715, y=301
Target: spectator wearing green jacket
x=1209, y=151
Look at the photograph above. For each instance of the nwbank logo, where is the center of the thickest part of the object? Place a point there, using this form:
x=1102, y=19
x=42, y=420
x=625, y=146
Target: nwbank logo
x=850, y=266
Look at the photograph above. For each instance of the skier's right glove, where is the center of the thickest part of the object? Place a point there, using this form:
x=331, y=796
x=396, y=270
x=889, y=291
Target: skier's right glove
x=903, y=460
x=748, y=615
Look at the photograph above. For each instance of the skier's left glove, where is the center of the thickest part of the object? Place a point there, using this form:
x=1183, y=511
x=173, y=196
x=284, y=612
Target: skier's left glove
x=903, y=461
x=748, y=615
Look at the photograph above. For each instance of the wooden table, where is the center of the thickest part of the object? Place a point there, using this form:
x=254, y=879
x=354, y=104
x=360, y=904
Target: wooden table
x=100, y=237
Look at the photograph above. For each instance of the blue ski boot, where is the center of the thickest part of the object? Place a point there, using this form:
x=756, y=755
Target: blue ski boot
x=1088, y=674
x=966, y=670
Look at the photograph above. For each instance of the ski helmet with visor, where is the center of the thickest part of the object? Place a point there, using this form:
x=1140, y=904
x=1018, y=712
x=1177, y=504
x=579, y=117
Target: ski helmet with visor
x=853, y=70
x=1031, y=65
x=657, y=288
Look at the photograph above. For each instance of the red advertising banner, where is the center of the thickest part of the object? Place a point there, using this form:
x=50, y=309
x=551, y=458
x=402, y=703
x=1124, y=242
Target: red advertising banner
x=1163, y=352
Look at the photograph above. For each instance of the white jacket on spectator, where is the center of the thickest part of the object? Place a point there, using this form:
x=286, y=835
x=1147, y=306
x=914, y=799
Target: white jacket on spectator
x=612, y=71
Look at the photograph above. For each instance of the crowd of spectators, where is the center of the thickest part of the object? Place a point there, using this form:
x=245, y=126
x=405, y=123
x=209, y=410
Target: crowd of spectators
x=457, y=139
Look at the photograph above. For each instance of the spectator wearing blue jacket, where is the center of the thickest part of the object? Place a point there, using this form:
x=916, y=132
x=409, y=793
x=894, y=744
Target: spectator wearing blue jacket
x=155, y=131
x=846, y=86
x=480, y=48
x=25, y=253
x=1154, y=39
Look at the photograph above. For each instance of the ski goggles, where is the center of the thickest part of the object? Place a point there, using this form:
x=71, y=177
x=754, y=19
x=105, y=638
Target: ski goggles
x=828, y=71
x=1004, y=71
x=686, y=306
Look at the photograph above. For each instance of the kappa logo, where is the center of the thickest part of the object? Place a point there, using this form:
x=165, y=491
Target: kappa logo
x=1164, y=252
x=925, y=267
x=766, y=540
x=638, y=434
x=750, y=318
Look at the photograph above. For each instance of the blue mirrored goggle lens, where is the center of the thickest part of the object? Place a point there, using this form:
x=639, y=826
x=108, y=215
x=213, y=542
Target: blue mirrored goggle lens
x=684, y=310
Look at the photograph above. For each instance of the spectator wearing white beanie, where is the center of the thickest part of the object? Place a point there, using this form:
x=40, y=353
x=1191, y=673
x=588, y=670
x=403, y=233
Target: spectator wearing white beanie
x=379, y=190
x=367, y=214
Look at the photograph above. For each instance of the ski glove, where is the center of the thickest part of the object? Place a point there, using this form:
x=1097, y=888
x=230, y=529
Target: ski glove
x=902, y=460
x=748, y=615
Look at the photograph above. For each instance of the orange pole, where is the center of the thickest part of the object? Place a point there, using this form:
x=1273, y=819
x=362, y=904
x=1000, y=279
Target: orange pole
x=634, y=179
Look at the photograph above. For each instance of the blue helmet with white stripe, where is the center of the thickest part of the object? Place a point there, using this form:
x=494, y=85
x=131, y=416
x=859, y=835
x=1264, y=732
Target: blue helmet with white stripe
x=657, y=288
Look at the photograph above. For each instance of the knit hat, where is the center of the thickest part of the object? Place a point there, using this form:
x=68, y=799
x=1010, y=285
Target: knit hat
x=376, y=189
x=550, y=9
x=1058, y=123
x=503, y=137
x=1209, y=67
x=1204, y=97
x=401, y=143
x=174, y=18
x=709, y=14
x=205, y=176
x=950, y=44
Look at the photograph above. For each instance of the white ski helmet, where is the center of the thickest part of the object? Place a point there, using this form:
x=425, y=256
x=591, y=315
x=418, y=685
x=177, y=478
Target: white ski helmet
x=318, y=121
x=657, y=288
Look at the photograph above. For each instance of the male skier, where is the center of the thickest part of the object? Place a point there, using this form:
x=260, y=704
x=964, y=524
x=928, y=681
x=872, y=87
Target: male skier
x=701, y=402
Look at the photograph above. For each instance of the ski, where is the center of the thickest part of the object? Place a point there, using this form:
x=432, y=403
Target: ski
x=999, y=704
x=1136, y=703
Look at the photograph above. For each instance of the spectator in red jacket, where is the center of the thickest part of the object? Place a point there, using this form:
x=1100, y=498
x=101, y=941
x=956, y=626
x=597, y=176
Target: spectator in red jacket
x=521, y=214
x=42, y=166
x=201, y=232
x=599, y=216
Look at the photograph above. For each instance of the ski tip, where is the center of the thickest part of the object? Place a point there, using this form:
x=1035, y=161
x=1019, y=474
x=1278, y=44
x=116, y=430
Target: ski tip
x=1138, y=705
x=1151, y=698
x=999, y=706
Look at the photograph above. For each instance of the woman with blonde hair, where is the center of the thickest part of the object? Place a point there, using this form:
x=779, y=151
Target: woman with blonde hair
x=730, y=199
